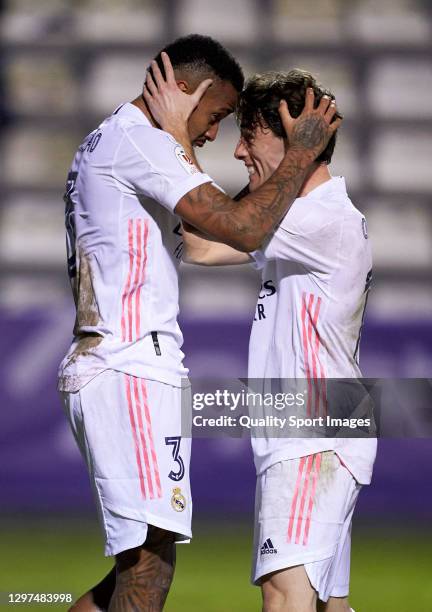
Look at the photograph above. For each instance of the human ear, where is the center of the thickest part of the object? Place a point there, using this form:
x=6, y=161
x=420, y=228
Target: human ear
x=183, y=86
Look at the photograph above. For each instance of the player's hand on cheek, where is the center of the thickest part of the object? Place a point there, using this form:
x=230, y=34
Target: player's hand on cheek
x=169, y=105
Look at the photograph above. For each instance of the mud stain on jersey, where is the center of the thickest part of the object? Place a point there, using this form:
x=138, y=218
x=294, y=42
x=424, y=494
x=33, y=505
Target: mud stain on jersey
x=87, y=311
x=86, y=343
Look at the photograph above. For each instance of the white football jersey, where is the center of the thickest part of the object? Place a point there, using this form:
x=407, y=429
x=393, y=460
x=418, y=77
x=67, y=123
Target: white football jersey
x=316, y=273
x=124, y=245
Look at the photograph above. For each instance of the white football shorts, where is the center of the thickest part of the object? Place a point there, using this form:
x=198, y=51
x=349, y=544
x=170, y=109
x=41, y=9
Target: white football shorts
x=303, y=514
x=129, y=430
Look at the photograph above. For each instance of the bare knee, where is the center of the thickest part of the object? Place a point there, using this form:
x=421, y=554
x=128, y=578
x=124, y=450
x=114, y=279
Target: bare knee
x=274, y=600
x=288, y=590
x=334, y=604
x=280, y=601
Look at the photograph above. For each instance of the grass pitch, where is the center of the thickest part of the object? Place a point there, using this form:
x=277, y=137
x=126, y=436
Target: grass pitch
x=390, y=569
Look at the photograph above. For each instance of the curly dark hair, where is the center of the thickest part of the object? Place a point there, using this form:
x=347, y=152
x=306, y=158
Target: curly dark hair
x=199, y=53
x=259, y=103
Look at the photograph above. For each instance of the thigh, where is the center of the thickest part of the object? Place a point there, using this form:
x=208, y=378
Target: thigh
x=331, y=577
x=167, y=416
x=137, y=458
x=288, y=589
x=301, y=505
x=133, y=436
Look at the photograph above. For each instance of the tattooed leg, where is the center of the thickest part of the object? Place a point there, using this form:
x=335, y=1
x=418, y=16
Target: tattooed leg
x=144, y=574
x=98, y=598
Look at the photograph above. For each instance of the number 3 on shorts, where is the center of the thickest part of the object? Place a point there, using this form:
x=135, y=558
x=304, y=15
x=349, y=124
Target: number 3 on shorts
x=174, y=441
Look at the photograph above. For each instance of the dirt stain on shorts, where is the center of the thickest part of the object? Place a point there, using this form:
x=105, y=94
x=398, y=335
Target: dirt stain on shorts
x=327, y=471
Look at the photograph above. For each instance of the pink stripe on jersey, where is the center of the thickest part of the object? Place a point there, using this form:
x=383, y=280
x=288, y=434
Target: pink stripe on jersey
x=315, y=474
x=138, y=242
x=134, y=434
x=150, y=435
x=295, y=497
x=131, y=298
x=136, y=274
x=306, y=353
x=312, y=362
x=303, y=499
x=128, y=279
x=142, y=437
x=141, y=282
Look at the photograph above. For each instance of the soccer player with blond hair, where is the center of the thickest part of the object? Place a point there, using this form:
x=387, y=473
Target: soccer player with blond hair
x=317, y=261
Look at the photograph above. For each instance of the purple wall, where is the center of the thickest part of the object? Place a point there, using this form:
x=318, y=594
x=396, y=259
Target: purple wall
x=40, y=468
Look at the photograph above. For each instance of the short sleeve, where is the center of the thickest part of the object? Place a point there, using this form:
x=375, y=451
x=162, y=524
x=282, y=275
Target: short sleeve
x=155, y=165
x=311, y=240
x=258, y=260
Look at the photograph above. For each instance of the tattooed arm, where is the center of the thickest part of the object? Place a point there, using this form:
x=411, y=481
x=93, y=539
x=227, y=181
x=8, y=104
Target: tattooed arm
x=204, y=251
x=245, y=224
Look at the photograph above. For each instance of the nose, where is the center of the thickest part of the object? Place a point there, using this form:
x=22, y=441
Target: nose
x=240, y=150
x=212, y=132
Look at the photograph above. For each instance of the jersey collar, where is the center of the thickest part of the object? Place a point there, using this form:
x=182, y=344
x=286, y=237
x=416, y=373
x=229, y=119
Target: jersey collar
x=130, y=110
x=336, y=184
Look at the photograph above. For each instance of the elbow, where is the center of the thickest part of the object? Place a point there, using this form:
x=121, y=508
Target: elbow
x=187, y=256
x=197, y=259
x=190, y=260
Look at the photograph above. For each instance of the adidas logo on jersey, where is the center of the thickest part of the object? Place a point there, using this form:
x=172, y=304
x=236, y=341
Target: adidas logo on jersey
x=267, y=548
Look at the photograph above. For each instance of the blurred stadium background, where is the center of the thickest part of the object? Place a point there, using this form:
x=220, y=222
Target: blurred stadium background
x=65, y=66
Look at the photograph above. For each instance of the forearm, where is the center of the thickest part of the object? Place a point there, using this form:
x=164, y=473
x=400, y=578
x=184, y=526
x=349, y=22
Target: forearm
x=200, y=250
x=233, y=247
x=195, y=246
x=245, y=224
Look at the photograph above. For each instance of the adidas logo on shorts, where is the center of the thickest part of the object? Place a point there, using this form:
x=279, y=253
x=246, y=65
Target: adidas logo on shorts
x=267, y=548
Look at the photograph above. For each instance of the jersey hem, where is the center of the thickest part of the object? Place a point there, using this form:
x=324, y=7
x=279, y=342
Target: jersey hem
x=363, y=477
x=299, y=559
x=182, y=535
x=73, y=383
x=287, y=455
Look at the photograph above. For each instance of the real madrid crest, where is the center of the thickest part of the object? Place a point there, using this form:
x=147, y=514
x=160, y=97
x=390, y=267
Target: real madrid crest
x=178, y=501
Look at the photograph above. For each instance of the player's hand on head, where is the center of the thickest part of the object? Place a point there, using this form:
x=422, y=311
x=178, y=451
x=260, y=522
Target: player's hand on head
x=169, y=105
x=314, y=127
